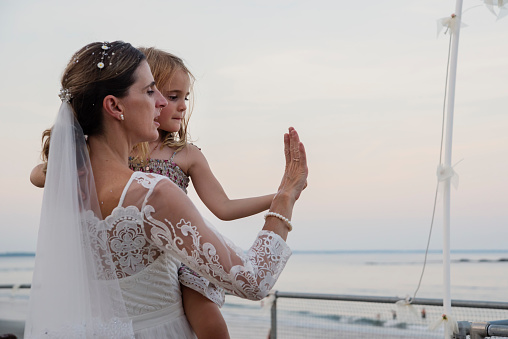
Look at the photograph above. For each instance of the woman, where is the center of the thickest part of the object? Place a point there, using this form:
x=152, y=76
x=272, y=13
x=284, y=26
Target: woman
x=115, y=277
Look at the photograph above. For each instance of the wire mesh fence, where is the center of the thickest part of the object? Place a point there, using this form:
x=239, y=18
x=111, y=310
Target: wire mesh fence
x=286, y=315
x=300, y=315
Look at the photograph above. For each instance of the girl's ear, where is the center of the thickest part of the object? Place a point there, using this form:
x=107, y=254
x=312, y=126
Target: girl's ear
x=113, y=107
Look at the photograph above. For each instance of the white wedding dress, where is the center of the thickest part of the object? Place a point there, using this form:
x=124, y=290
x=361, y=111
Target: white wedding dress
x=149, y=238
x=117, y=277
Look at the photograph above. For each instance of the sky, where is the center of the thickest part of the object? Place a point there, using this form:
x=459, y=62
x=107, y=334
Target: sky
x=362, y=82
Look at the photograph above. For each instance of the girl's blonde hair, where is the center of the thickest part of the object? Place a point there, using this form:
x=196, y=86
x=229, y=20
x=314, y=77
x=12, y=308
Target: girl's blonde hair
x=164, y=65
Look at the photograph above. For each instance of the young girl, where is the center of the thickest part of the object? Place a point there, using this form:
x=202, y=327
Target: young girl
x=171, y=155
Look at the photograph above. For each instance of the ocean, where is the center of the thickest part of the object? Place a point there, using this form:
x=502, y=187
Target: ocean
x=475, y=275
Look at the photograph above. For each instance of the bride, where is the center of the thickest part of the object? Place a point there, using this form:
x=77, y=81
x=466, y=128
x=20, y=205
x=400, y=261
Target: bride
x=111, y=240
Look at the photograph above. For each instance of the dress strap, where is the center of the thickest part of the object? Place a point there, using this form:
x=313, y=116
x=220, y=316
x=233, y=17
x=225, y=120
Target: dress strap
x=122, y=197
x=173, y=157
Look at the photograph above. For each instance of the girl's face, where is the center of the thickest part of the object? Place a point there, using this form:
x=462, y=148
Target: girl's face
x=142, y=105
x=176, y=92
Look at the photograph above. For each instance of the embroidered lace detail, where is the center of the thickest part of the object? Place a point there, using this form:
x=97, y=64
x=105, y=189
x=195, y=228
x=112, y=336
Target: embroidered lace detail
x=98, y=243
x=148, y=277
x=122, y=233
x=148, y=249
x=146, y=181
x=115, y=328
x=174, y=173
x=253, y=276
x=191, y=279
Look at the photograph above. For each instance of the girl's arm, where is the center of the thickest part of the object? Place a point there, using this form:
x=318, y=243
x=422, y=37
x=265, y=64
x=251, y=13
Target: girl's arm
x=38, y=176
x=212, y=194
x=203, y=315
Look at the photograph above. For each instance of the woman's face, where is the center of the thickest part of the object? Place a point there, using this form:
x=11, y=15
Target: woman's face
x=142, y=105
x=176, y=92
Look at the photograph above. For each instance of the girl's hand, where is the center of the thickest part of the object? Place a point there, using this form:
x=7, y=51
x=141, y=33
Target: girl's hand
x=296, y=171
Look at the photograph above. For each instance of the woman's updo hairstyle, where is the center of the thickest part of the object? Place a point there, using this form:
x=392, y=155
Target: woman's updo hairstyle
x=95, y=71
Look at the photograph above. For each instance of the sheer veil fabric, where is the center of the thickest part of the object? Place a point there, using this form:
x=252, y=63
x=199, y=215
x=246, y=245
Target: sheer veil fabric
x=75, y=291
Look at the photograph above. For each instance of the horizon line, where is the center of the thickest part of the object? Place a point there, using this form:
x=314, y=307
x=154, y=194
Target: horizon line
x=28, y=253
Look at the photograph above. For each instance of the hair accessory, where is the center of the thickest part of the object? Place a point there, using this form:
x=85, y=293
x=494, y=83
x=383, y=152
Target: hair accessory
x=122, y=117
x=277, y=215
x=65, y=95
x=105, y=48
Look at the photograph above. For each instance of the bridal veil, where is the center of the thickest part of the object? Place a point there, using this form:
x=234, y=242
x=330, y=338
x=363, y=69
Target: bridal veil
x=75, y=291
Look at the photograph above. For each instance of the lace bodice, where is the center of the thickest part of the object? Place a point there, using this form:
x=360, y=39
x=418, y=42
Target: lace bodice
x=186, y=276
x=155, y=226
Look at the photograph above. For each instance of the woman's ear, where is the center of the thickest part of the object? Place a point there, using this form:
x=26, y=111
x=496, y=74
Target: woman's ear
x=112, y=107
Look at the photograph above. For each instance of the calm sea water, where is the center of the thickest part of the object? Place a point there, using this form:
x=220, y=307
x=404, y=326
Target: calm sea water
x=475, y=275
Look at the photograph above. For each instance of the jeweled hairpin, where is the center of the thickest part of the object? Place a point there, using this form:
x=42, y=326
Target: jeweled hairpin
x=105, y=48
x=65, y=95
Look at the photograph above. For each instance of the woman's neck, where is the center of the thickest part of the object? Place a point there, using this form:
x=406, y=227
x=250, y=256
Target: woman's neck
x=109, y=151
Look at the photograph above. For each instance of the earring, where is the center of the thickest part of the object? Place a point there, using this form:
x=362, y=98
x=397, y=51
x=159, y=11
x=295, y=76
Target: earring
x=122, y=117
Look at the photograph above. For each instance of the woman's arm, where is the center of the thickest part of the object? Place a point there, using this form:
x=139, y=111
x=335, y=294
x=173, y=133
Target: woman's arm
x=172, y=223
x=38, y=175
x=212, y=194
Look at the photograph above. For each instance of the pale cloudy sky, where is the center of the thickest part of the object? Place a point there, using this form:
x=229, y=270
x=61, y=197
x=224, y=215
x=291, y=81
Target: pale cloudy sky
x=362, y=81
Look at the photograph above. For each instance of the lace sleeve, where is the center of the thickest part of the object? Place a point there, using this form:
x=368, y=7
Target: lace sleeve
x=172, y=223
x=192, y=280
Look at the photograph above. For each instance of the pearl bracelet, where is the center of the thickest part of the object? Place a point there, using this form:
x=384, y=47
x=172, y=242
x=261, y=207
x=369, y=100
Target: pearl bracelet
x=277, y=215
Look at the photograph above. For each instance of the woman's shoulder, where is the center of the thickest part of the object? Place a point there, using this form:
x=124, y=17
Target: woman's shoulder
x=146, y=185
x=143, y=182
x=164, y=193
x=148, y=179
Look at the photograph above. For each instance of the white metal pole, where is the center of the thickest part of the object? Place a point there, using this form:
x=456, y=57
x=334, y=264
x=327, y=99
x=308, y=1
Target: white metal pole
x=447, y=307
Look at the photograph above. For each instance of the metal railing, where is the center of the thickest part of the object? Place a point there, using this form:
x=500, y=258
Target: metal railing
x=483, y=329
x=15, y=286
x=476, y=330
x=473, y=329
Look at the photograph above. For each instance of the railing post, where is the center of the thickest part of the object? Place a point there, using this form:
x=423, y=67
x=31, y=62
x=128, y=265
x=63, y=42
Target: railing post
x=464, y=329
x=479, y=330
x=273, y=329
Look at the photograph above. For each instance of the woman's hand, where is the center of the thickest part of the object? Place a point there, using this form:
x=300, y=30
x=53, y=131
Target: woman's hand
x=296, y=171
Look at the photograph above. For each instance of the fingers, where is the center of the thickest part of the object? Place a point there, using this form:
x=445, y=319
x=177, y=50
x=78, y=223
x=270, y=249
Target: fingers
x=287, y=153
x=295, y=173
x=302, y=153
x=294, y=144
